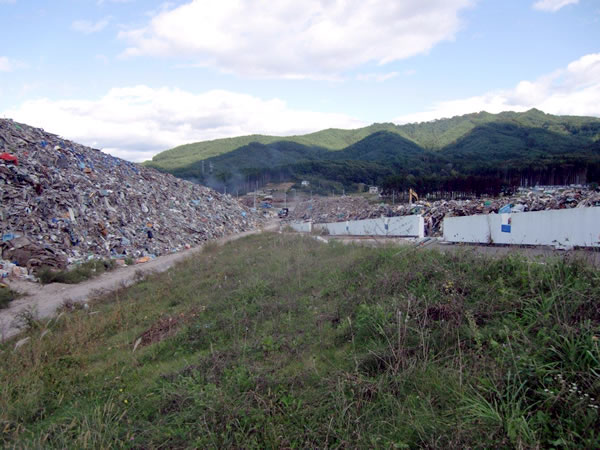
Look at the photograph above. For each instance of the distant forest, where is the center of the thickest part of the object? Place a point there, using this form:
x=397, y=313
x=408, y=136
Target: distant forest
x=499, y=153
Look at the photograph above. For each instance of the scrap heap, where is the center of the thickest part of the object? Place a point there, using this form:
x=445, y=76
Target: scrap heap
x=337, y=209
x=340, y=209
x=62, y=202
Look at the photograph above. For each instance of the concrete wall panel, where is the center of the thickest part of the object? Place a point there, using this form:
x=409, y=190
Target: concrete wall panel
x=301, y=227
x=409, y=226
x=475, y=229
x=577, y=227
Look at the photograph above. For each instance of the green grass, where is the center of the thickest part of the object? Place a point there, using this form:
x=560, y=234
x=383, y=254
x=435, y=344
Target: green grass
x=281, y=341
x=77, y=274
x=7, y=295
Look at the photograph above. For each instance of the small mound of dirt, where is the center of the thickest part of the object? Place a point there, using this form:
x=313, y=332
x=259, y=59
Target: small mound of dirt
x=165, y=327
x=444, y=312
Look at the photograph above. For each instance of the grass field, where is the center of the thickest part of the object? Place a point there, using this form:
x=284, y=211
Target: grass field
x=280, y=341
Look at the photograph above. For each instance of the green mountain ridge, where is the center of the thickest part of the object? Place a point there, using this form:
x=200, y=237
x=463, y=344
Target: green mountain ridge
x=434, y=135
x=332, y=139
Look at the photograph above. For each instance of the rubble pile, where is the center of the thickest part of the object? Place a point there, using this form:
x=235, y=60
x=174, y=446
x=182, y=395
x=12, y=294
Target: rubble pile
x=340, y=209
x=336, y=209
x=62, y=203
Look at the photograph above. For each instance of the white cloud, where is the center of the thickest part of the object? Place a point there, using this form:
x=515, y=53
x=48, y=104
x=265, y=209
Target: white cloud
x=5, y=64
x=553, y=5
x=87, y=27
x=9, y=65
x=378, y=77
x=312, y=38
x=30, y=87
x=102, y=58
x=574, y=90
x=137, y=122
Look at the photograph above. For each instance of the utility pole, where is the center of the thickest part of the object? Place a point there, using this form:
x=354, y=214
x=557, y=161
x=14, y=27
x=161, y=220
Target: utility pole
x=285, y=200
x=393, y=197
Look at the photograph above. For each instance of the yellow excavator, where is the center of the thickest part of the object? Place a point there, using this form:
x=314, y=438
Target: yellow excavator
x=412, y=195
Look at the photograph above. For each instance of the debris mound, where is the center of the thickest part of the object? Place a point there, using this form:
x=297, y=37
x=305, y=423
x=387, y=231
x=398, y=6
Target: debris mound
x=340, y=209
x=336, y=209
x=62, y=203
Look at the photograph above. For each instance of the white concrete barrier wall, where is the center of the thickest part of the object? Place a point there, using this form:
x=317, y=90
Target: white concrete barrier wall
x=409, y=226
x=301, y=227
x=473, y=229
x=577, y=227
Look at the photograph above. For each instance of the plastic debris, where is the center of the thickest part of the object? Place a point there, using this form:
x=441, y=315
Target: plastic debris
x=66, y=203
x=341, y=209
x=11, y=271
x=9, y=158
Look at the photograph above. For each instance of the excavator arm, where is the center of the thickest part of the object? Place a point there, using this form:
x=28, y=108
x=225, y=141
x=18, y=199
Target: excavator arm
x=412, y=195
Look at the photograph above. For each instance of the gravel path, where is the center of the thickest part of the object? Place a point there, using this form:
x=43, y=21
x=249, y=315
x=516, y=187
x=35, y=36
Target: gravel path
x=45, y=299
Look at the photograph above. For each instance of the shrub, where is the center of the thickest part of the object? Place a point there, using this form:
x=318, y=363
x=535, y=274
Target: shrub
x=7, y=295
x=77, y=274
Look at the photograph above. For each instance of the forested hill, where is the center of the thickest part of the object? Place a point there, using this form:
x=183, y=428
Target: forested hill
x=330, y=139
x=505, y=149
x=432, y=135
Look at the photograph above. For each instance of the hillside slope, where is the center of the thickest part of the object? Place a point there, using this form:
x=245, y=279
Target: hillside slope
x=280, y=341
x=440, y=133
x=382, y=147
x=330, y=139
x=506, y=151
x=432, y=135
x=497, y=142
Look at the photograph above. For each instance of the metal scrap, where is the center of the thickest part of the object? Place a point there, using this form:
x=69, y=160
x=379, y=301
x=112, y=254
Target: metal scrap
x=62, y=203
x=341, y=209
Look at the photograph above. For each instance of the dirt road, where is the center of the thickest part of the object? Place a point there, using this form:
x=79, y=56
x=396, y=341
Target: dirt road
x=45, y=299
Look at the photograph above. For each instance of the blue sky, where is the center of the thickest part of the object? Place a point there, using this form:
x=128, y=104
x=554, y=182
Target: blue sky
x=136, y=77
